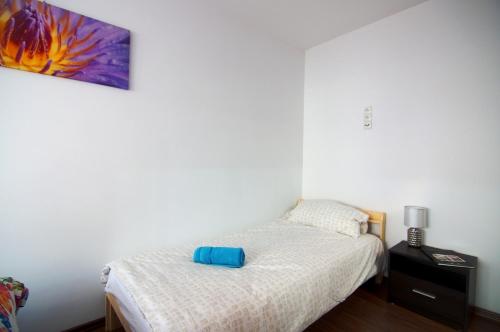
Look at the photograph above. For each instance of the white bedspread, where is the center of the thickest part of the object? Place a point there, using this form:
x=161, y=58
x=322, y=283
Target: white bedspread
x=293, y=274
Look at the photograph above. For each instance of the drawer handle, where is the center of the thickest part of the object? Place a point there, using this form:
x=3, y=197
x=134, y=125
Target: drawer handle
x=424, y=293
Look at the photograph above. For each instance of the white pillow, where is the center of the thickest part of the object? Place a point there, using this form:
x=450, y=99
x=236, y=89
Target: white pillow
x=330, y=215
x=363, y=227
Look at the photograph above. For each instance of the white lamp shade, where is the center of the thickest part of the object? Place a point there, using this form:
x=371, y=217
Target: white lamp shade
x=416, y=216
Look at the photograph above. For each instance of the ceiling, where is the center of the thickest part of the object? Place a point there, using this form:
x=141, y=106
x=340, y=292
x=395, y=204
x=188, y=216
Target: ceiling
x=307, y=23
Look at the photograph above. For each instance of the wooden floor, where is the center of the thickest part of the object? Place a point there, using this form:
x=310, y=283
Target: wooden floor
x=367, y=310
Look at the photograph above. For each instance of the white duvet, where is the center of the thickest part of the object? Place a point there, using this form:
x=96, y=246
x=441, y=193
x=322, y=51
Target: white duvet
x=293, y=274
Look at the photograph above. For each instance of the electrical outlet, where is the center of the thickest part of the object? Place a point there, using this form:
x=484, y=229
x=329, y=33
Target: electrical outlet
x=367, y=117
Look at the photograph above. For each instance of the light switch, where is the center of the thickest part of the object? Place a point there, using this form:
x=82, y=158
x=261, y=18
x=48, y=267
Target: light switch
x=367, y=117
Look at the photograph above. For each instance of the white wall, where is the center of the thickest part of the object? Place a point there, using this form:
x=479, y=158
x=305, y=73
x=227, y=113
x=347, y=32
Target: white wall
x=208, y=141
x=432, y=74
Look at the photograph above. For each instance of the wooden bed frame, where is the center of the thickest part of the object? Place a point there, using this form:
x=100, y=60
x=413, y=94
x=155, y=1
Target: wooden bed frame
x=115, y=320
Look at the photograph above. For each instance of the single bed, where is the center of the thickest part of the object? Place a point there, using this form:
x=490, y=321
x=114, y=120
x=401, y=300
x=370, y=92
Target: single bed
x=293, y=275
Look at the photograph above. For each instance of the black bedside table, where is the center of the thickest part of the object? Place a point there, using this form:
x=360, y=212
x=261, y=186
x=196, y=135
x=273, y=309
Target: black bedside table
x=443, y=293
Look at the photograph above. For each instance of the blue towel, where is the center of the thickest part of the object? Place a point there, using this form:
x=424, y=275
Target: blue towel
x=231, y=257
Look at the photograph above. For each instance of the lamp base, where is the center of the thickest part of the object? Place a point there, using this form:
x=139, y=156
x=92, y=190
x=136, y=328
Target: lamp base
x=414, y=237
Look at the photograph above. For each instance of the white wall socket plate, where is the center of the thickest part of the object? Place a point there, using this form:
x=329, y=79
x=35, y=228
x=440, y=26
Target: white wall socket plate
x=367, y=117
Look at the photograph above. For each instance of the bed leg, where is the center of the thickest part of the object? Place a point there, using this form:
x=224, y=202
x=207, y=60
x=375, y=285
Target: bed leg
x=379, y=278
x=112, y=320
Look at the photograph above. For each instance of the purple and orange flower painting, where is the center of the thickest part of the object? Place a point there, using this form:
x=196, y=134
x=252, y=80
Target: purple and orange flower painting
x=45, y=39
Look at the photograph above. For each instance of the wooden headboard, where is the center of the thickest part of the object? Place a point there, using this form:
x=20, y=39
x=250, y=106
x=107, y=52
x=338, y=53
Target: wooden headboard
x=376, y=218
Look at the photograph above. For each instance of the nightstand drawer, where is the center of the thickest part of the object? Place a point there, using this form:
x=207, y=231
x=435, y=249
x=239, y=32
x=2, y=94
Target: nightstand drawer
x=427, y=297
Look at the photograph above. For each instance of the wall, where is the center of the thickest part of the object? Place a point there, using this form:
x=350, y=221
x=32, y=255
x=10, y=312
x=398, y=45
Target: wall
x=207, y=141
x=432, y=74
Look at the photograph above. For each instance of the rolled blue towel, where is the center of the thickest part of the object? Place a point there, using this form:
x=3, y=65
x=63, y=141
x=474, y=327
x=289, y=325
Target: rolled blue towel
x=231, y=257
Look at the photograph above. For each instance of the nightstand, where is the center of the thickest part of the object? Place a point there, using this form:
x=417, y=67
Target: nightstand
x=442, y=293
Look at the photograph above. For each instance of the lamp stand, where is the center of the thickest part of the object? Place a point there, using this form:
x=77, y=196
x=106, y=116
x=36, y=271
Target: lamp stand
x=415, y=237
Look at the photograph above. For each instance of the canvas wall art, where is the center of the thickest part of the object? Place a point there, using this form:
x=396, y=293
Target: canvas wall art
x=45, y=39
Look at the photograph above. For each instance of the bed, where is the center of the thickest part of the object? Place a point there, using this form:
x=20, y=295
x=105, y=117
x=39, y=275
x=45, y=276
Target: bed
x=293, y=275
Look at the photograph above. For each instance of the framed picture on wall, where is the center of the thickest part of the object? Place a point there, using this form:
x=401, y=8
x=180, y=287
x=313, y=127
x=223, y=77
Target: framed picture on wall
x=45, y=39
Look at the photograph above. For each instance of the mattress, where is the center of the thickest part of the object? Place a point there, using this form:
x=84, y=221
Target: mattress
x=292, y=276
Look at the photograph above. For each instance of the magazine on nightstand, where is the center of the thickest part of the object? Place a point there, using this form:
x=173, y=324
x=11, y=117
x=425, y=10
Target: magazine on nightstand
x=446, y=257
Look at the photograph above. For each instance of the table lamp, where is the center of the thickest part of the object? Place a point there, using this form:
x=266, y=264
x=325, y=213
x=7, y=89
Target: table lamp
x=416, y=219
